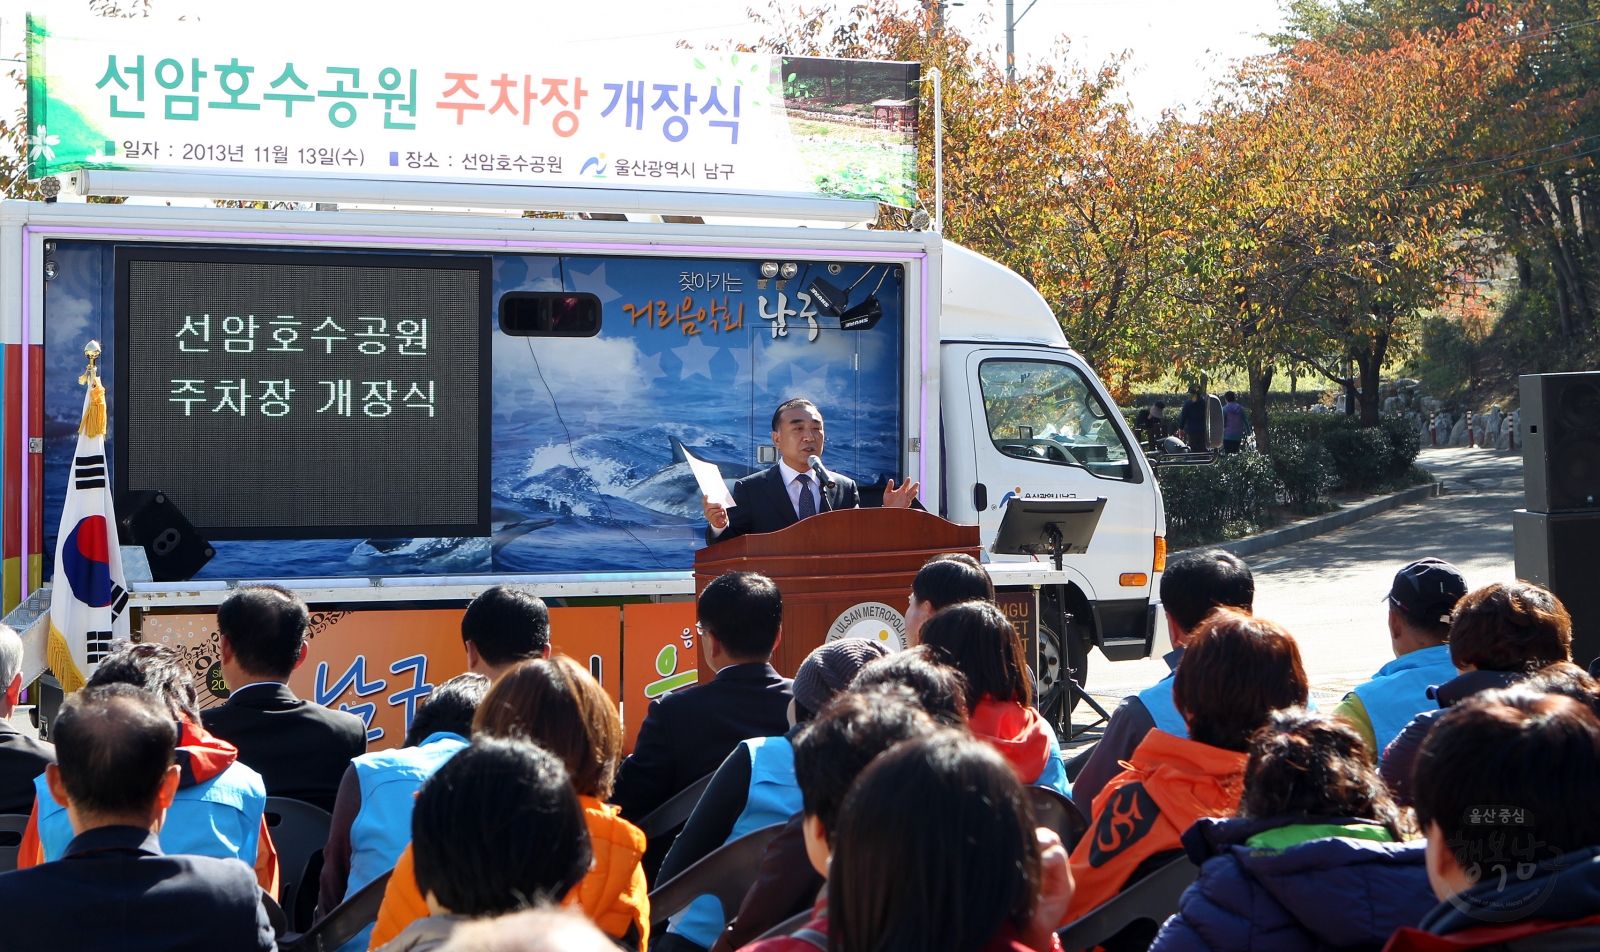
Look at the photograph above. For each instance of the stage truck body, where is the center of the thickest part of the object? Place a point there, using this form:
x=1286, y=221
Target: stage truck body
x=390, y=412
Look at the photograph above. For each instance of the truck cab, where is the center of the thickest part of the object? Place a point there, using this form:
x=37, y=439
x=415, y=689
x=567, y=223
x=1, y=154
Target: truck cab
x=1023, y=414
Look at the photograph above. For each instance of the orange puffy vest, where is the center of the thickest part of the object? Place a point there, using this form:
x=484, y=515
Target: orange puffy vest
x=1166, y=785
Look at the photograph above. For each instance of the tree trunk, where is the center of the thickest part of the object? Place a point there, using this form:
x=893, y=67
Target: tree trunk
x=1260, y=383
x=1524, y=272
x=1369, y=364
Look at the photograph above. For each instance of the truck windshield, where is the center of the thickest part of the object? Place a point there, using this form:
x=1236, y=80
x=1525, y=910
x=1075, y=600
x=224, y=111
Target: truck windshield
x=1046, y=412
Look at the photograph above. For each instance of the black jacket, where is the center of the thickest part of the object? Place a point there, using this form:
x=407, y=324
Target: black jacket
x=22, y=760
x=688, y=734
x=762, y=505
x=300, y=749
x=114, y=889
x=1400, y=757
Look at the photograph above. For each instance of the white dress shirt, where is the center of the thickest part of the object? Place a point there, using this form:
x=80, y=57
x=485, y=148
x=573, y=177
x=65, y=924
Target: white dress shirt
x=792, y=485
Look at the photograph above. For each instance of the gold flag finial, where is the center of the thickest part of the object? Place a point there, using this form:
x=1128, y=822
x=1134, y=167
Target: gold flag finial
x=94, y=415
x=91, y=350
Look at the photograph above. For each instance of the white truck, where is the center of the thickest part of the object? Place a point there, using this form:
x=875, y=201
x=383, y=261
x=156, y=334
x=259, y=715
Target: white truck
x=389, y=410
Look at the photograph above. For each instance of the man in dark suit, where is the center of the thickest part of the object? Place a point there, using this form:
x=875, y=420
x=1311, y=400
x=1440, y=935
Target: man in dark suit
x=783, y=494
x=22, y=759
x=114, y=888
x=300, y=749
x=687, y=734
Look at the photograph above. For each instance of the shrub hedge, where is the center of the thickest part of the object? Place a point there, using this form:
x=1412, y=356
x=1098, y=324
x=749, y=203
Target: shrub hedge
x=1314, y=454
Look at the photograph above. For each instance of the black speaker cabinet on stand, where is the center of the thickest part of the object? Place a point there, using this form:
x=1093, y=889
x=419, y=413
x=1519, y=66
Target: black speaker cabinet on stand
x=1561, y=486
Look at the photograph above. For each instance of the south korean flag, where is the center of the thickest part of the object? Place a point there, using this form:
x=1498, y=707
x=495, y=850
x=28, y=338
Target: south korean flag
x=89, y=600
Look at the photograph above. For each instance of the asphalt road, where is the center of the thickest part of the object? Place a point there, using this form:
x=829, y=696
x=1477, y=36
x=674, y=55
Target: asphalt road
x=1328, y=590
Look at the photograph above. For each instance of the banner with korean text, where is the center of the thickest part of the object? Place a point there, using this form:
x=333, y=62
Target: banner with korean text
x=464, y=104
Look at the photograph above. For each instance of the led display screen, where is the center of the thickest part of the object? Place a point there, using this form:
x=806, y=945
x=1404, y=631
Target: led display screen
x=275, y=394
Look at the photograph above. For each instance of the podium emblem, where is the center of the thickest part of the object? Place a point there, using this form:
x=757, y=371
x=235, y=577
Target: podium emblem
x=872, y=620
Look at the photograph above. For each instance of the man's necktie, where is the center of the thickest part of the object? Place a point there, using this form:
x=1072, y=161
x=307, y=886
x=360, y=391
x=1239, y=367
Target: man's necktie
x=808, y=503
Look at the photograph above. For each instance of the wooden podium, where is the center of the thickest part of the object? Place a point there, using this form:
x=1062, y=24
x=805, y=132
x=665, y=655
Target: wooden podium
x=833, y=567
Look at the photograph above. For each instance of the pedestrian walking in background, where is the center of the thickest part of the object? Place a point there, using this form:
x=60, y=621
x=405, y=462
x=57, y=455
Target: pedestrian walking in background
x=1232, y=424
x=1192, y=420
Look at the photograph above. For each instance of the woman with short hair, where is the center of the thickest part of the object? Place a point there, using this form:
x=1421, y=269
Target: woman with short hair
x=1237, y=670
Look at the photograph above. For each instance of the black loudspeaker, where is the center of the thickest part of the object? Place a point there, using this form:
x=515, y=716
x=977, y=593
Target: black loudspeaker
x=176, y=551
x=1556, y=550
x=1561, y=441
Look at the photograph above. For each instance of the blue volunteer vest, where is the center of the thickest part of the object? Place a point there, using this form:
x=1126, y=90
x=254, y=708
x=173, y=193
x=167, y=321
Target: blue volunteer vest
x=774, y=797
x=1399, y=691
x=220, y=818
x=390, y=780
x=1054, y=774
x=1157, y=699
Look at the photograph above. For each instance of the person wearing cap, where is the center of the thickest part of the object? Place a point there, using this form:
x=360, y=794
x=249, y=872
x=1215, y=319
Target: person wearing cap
x=755, y=787
x=1420, y=602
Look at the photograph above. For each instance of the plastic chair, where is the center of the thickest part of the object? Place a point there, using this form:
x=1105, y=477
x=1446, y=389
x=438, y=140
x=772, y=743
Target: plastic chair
x=1152, y=899
x=675, y=812
x=341, y=925
x=1059, y=813
x=725, y=872
x=299, y=831
x=12, y=826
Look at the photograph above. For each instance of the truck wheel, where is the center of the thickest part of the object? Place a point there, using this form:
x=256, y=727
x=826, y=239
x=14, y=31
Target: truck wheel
x=1047, y=686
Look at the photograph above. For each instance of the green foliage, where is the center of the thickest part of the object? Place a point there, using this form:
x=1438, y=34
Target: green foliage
x=1360, y=457
x=1305, y=471
x=1228, y=500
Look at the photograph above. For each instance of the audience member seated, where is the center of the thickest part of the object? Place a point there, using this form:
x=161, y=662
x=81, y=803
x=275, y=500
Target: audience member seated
x=940, y=689
x=115, y=888
x=532, y=930
x=300, y=749
x=1191, y=587
x=372, y=817
x=1421, y=599
x=220, y=804
x=976, y=638
x=688, y=734
x=936, y=850
x=1236, y=671
x=829, y=754
x=945, y=580
x=1499, y=635
x=786, y=885
x=1315, y=859
x=1505, y=782
x=755, y=787
x=22, y=758
x=496, y=829
x=502, y=628
x=556, y=704
x=1564, y=677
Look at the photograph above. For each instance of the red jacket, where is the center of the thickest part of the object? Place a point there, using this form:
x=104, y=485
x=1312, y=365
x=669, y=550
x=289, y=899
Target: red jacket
x=1416, y=940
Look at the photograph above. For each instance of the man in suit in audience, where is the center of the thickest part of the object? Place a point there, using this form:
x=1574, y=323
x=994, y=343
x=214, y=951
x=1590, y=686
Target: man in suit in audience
x=502, y=628
x=300, y=749
x=114, y=888
x=687, y=734
x=783, y=494
x=22, y=759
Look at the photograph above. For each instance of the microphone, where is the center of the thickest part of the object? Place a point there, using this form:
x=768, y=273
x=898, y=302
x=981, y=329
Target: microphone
x=824, y=478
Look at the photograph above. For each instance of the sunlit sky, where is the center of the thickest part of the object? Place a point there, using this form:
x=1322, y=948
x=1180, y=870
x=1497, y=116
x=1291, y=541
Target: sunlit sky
x=1174, y=47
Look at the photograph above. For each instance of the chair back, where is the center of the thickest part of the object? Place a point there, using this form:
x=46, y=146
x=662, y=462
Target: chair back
x=788, y=926
x=1152, y=899
x=12, y=826
x=675, y=812
x=725, y=872
x=299, y=832
x=344, y=923
x=1059, y=813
